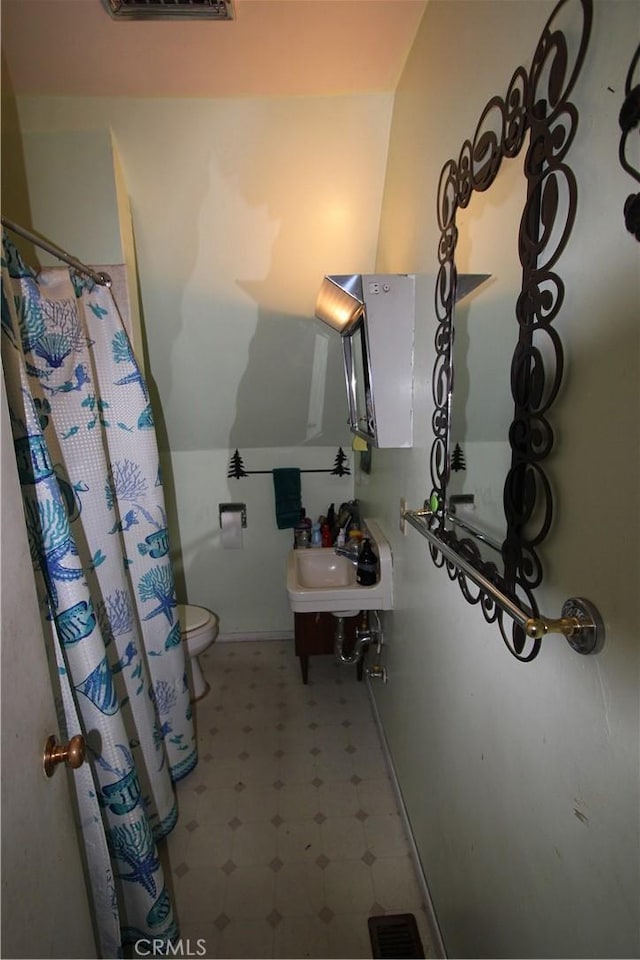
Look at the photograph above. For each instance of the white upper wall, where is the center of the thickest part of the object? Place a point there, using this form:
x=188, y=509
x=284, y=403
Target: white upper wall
x=239, y=209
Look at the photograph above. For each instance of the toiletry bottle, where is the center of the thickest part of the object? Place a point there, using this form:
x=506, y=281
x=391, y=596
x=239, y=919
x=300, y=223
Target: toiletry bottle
x=301, y=537
x=367, y=570
x=316, y=536
x=302, y=531
x=305, y=520
x=355, y=539
x=331, y=520
x=325, y=534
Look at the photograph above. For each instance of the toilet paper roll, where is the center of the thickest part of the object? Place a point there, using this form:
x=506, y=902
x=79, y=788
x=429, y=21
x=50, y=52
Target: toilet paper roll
x=231, y=522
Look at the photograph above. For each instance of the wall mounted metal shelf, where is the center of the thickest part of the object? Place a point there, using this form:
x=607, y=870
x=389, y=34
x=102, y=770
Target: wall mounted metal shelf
x=580, y=623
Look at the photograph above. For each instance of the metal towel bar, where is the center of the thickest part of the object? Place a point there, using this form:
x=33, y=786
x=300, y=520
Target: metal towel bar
x=580, y=623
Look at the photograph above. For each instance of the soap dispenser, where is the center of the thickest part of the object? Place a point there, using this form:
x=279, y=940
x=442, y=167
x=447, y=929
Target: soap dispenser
x=367, y=570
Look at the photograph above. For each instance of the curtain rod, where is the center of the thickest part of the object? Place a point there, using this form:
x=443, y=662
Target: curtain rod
x=103, y=279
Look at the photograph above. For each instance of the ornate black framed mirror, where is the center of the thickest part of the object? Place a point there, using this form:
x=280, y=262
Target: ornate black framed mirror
x=535, y=112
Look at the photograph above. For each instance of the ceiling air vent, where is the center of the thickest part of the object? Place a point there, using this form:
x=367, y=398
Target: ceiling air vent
x=170, y=9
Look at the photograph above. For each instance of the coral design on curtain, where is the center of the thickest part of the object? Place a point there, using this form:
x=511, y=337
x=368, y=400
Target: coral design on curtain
x=88, y=465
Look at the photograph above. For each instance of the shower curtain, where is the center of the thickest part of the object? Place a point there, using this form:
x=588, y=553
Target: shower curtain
x=89, y=472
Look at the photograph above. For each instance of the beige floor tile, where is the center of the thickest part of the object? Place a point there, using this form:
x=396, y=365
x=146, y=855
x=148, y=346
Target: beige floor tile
x=200, y=895
x=209, y=847
x=225, y=701
x=330, y=736
x=214, y=724
x=226, y=773
x=297, y=937
x=358, y=705
x=216, y=805
x=349, y=936
x=257, y=803
x=298, y=801
x=263, y=739
x=363, y=735
x=226, y=746
x=177, y=841
x=254, y=844
x=386, y=836
x=259, y=771
x=338, y=798
x=199, y=940
x=395, y=885
x=296, y=715
x=250, y=892
x=268, y=690
x=230, y=698
x=186, y=796
x=369, y=763
x=377, y=796
x=295, y=739
x=343, y=838
x=294, y=705
x=299, y=890
x=299, y=840
x=328, y=711
x=332, y=765
x=348, y=886
x=298, y=767
x=291, y=793
x=246, y=938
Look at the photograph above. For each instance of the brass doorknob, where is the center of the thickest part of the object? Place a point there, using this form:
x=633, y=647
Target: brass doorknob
x=54, y=753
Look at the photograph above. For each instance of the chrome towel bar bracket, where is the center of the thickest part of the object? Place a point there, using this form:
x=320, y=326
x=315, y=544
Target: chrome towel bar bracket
x=580, y=623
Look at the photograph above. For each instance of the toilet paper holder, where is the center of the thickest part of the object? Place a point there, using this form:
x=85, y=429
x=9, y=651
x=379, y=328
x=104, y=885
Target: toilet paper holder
x=240, y=508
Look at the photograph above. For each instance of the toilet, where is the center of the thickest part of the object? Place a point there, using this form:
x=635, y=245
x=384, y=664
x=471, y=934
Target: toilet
x=199, y=630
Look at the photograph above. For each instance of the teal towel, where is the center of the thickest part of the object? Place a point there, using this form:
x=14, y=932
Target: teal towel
x=286, y=486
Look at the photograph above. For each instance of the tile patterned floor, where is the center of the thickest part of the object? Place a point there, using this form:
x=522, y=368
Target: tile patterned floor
x=289, y=835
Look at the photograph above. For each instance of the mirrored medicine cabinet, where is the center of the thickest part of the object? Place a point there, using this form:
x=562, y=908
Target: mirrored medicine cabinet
x=375, y=315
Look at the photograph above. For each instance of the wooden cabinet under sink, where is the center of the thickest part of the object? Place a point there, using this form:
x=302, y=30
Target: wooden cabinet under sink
x=315, y=634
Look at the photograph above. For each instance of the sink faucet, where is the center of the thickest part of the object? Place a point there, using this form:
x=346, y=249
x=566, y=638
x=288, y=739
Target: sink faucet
x=350, y=552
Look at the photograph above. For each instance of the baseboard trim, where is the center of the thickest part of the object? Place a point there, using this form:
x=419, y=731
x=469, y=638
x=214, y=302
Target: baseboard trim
x=432, y=920
x=262, y=635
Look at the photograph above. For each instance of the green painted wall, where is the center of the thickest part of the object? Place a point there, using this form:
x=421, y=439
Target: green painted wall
x=521, y=780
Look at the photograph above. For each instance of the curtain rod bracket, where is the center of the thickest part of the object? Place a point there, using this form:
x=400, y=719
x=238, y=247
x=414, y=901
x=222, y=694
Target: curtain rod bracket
x=102, y=279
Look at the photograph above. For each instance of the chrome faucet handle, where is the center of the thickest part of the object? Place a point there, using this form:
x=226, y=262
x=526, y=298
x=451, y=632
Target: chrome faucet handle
x=351, y=553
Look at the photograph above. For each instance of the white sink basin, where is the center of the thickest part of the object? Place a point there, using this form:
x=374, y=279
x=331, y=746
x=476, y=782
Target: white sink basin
x=323, y=568
x=320, y=581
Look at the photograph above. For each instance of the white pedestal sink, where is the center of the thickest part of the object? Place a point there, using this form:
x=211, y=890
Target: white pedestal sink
x=320, y=581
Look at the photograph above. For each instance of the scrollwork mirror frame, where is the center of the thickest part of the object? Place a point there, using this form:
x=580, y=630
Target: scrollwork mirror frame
x=536, y=103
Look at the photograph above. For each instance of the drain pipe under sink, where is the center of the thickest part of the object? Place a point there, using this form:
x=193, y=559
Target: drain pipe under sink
x=364, y=636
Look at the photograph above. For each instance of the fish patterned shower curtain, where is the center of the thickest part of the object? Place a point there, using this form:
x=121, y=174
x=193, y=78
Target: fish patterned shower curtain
x=89, y=472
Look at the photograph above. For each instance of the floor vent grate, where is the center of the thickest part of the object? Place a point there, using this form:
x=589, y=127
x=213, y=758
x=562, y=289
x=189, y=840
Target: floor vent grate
x=395, y=936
